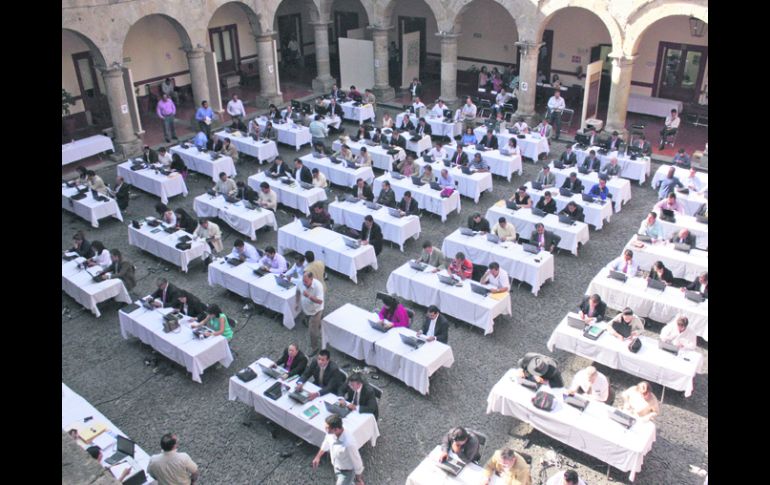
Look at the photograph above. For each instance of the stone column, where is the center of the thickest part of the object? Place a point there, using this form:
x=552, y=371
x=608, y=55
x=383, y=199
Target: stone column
x=269, y=92
x=622, y=68
x=382, y=89
x=528, y=78
x=198, y=77
x=449, y=69
x=127, y=144
x=323, y=81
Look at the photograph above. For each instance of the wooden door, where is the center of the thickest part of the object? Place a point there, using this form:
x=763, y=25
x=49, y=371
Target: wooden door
x=679, y=71
x=224, y=44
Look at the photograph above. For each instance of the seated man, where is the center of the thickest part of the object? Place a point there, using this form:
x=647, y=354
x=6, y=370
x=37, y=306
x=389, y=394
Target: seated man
x=681, y=159
x=427, y=174
x=120, y=269
x=504, y=230
x=273, y=262
x=201, y=140
x=229, y=150
x=626, y=325
x=544, y=129
x=639, y=401
x=496, y=277
x=545, y=240
x=478, y=164
x=292, y=360
x=244, y=251
x=573, y=183
x=671, y=125
x=438, y=152
x=478, y=223
x=280, y=168
x=435, y=326
x=319, y=216
x=545, y=177
x=568, y=157
x=600, y=190
x=423, y=128
x=301, y=172
x=397, y=140
x=642, y=144
x=96, y=454
x=461, y=444
x=408, y=205
x=371, y=233
x=489, y=141
x=591, y=162
x=445, y=179
x=363, y=159
x=461, y=267
x=676, y=333
x=574, y=211
x=460, y=158
x=266, y=197
x=81, y=245
x=169, y=217
x=625, y=264
x=432, y=256
x=615, y=144
x=659, y=272
x=693, y=182
x=358, y=395
x=325, y=374
x=165, y=295
x=345, y=153
x=406, y=124
x=612, y=169
x=651, y=227
x=319, y=179
x=541, y=369
x=509, y=465
x=362, y=190
x=247, y=193
x=164, y=157
x=591, y=383
x=683, y=237
x=521, y=198
x=96, y=183
x=592, y=309
x=387, y=196
x=520, y=126
x=670, y=203
x=149, y=156
x=225, y=185
x=438, y=109
x=700, y=284
x=547, y=203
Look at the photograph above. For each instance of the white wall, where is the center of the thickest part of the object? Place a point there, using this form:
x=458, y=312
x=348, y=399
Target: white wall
x=575, y=31
x=231, y=14
x=498, y=33
x=417, y=8
x=154, y=48
x=71, y=44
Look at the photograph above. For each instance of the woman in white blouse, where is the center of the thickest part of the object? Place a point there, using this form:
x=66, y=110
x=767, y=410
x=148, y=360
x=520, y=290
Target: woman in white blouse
x=101, y=255
x=512, y=148
x=387, y=121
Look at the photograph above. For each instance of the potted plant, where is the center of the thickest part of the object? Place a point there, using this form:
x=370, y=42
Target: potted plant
x=68, y=121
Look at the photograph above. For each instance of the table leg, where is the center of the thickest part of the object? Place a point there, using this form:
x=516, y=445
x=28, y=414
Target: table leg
x=663, y=395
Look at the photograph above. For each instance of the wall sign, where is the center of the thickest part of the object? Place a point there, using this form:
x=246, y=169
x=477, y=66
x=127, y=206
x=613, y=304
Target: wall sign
x=576, y=59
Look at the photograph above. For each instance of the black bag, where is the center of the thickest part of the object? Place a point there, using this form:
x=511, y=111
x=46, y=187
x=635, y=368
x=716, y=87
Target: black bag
x=183, y=246
x=274, y=391
x=136, y=224
x=635, y=345
x=543, y=400
x=246, y=374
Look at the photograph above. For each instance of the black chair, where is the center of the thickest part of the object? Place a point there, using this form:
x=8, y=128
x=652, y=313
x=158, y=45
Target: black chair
x=478, y=272
x=377, y=390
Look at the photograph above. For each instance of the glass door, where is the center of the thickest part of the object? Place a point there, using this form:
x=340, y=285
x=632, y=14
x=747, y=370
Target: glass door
x=224, y=44
x=681, y=68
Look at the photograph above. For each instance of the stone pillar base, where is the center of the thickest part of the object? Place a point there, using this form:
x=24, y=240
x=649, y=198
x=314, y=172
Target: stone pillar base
x=265, y=101
x=532, y=119
x=453, y=104
x=622, y=132
x=323, y=85
x=127, y=149
x=385, y=93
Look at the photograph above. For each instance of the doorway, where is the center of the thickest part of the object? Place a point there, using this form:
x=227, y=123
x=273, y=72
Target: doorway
x=343, y=21
x=224, y=44
x=602, y=52
x=91, y=90
x=413, y=24
x=679, y=71
x=290, y=40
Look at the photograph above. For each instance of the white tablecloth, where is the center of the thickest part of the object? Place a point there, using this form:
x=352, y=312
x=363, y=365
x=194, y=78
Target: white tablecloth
x=427, y=198
x=682, y=265
x=395, y=229
x=89, y=208
x=380, y=157
x=246, y=221
x=499, y=164
x=288, y=413
x=680, y=173
x=262, y=290
x=531, y=145
x=650, y=362
x=591, y=431
x=163, y=186
x=438, y=126
x=424, y=288
x=638, y=169
x=328, y=246
x=84, y=148
x=263, y=150
x=338, y=173
x=180, y=346
x=468, y=185
x=525, y=221
x=638, y=103
x=202, y=162
x=357, y=113
x=660, y=306
x=293, y=196
x=288, y=134
x=427, y=473
x=699, y=230
x=620, y=188
x=595, y=213
x=79, y=284
x=519, y=264
x=75, y=409
x=163, y=245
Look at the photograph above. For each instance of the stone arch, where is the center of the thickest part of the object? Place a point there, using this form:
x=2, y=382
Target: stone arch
x=444, y=17
x=96, y=52
x=327, y=5
x=182, y=32
x=251, y=15
x=553, y=7
x=643, y=18
x=268, y=19
x=522, y=9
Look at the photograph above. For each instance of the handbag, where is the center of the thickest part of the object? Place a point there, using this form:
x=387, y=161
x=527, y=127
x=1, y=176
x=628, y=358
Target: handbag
x=543, y=400
x=447, y=192
x=183, y=246
x=246, y=374
x=635, y=345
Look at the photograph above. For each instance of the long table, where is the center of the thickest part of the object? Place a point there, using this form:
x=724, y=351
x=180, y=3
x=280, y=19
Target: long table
x=650, y=362
x=531, y=145
x=338, y=173
x=534, y=269
x=80, y=285
x=438, y=127
x=84, y=148
x=246, y=221
x=639, y=103
x=427, y=473
x=153, y=182
x=357, y=113
x=262, y=150
x=262, y=290
x=293, y=195
x=595, y=212
x=427, y=198
x=288, y=133
x=682, y=265
x=499, y=164
x=396, y=229
x=699, y=230
x=470, y=186
x=660, y=306
x=680, y=173
x=89, y=208
x=156, y=241
x=591, y=431
x=347, y=329
x=524, y=221
x=424, y=288
x=289, y=414
x=74, y=412
x=620, y=188
x=638, y=169
x=380, y=157
x=201, y=162
x=328, y=246
x=180, y=346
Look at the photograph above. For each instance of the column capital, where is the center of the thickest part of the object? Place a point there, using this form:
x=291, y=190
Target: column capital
x=528, y=47
x=265, y=35
x=197, y=51
x=448, y=36
x=381, y=29
x=113, y=70
x=320, y=23
x=622, y=60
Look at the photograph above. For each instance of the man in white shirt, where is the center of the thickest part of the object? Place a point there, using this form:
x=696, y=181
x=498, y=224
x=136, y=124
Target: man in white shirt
x=651, y=227
x=569, y=477
x=418, y=105
x=671, y=126
x=520, y=126
x=226, y=185
x=496, y=277
x=555, y=107
x=310, y=299
x=625, y=264
x=245, y=252
x=171, y=466
x=591, y=383
x=438, y=152
x=319, y=179
x=237, y=112
x=272, y=261
x=468, y=113
x=164, y=157
x=343, y=451
x=676, y=332
x=692, y=181
x=438, y=109
x=267, y=197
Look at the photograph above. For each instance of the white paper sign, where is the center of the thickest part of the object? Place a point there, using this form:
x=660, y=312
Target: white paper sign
x=124, y=108
x=523, y=86
x=376, y=63
x=270, y=68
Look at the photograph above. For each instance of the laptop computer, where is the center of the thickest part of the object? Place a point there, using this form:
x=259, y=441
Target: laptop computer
x=287, y=180
x=301, y=397
x=656, y=284
x=397, y=175
x=334, y=408
x=587, y=198
x=305, y=222
x=350, y=164
x=269, y=371
x=537, y=185
x=693, y=296
x=685, y=248
x=372, y=205
x=447, y=162
x=667, y=215
x=617, y=275
x=283, y=282
x=584, y=170
x=702, y=219
x=261, y=271
x=531, y=248
x=451, y=466
x=125, y=449
x=318, y=155
x=411, y=341
x=78, y=196
x=668, y=347
x=138, y=478
x=466, y=170
x=620, y=417
x=350, y=198
x=511, y=205
x=574, y=321
x=643, y=238
x=417, y=266
x=558, y=164
x=306, y=185
x=394, y=212
x=375, y=324
x=493, y=238
x=476, y=288
x=416, y=181
x=538, y=212
x=467, y=232
x=335, y=159
x=565, y=219
x=435, y=186
x=351, y=243
x=578, y=402
x=564, y=191
x=428, y=158
x=234, y=261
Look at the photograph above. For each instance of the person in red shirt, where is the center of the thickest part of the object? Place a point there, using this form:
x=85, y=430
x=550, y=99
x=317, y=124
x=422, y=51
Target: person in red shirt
x=461, y=267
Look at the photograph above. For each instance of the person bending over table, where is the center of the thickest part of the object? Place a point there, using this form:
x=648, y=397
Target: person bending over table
x=591, y=383
x=82, y=175
x=683, y=237
x=320, y=217
x=432, y=256
x=387, y=197
x=592, y=309
x=292, y=360
x=362, y=134
x=496, y=277
x=325, y=373
x=640, y=402
x=96, y=454
x=165, y=295
x=681, y=159
x=510, y=466
x=371, y=234
x=217, y=323
x=460, y=443
x=345, y=153
x=96, y=183
x=547, y=204
x=478, y=223
x=699, y=284
x=267, y=198
x=461, y=266
x=169, y=217
x=211, y=233
x=435, y=326
x=297, y=269
x=394, y=312
x=504, y=230
x=120, y=269
x=247, y=193
x=651, y=227
x=229, y=150
x=345, y=457
x=573, y=183
x=625, y=264
x=521, y=198
x=301, y=172
x=357, y=394
x=190, y=305
x=272, y=261
x=574, y=211
x=676, y=332
x=659, y=272
x=184, y=220
x=626, y=325
x=101, y=255
x=408, y=205
x=693, y=182
x=670, y=203
x=362, y=190
x=244, y=252
x=541, y=369
x=545, y=240
x=81, y=245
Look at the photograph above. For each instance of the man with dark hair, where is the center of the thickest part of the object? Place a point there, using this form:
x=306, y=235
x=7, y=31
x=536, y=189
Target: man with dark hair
x=543, y=239
x=478, y=223
x=120, y=269
x=280, y=168
x=670, y=126
x=247, y=193
x=371, y=233
x=225, y=185
x=301, y=172
x=244, y=252
x=569, y=477
x=546, y=203
x=387, y=196
x=626, y=325
x=273, y=262
x=573, y=183
x=541, y=369
x=625, y=264
x=504, y=230
x=700, y=284
x=211, y=233
x=592, y=309
x=81, y=245
x=121, y=193
x=319, y=216
x=496, y=277
x=266, y=197
x=172, y=467
x=315, y=266
x=190, y=305
x=408, y=205
x=435, y=326
x=343, y=452
x=359, y=395
x=545, y=177
x=229, y=150
x=591, y=162
x=432, y=256
x=325, y=373
x=205, y=116
x=574, y=211
x=461, y=266
x=292, y=360
x=362, y=190
x=95, y=182
x=310, y=299
x=165, y=295
x=615, y=144
x=461, y=443
x=510, y=466
x=568, y=157
x=489, y=142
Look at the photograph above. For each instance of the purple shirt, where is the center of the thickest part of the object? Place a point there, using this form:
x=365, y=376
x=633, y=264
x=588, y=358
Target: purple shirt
x=165, y=108
x=400, y=317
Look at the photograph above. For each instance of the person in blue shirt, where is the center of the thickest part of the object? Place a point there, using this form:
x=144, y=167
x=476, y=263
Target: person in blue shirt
x=468, y=138
x=445, y=180
x=201, y=140
x=478, y=164
x=600, y=190
x=668, y=184
x=681, y=159
x=651, y=227
x=203, y=115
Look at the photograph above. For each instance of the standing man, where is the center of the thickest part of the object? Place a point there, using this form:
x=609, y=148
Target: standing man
x=237, y=112
x=205, y=116
x=415, y=88
x=171, y=466
x=310, y=299
x=166, y=110
x=348, y=466
x=318, y=130
x=555, y=107
x=468, y=113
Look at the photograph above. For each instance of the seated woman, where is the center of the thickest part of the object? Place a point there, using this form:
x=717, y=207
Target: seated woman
x=468, y=137
x=639, y=401
x=345, y=153
x=512, y=148
x=361, y=134
x=427, y=174
x=177, y=165
x=661, y=273
x=394, y=312
x=217, y=322
x=101, y=255
x=387, y=121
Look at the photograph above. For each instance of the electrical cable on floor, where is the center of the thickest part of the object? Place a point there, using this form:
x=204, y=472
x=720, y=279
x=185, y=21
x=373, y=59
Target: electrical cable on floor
x=127, y=392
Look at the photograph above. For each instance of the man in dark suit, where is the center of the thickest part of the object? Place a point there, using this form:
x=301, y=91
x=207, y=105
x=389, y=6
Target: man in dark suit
x=120, y=269
x=423, y=128
x=359, y=395
x=149, y=155
x=121, y=193
x=292, y=360
x=459, y=158
x=362, y=190
x=568, y=157
x=190, y=305
x=415, y=88
x=543, y=239
x=408, y=204
x=301, y=172
x=592, y=307
x=279, y=167
x=335, y=109
x=371, y=234
x=335, y=92
x=406, y=124
x=591, y=162
x=397, y=140
x=325, y=374
x=683, y=237
x=490, y=140
x=436, y=326
x=643, y=145
x=478, y=223
x=615, y=143
x=574, y=211
x=81, y=246
x=700, y=284
x=387, y=196
x=573, y=183
x=165, y=295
